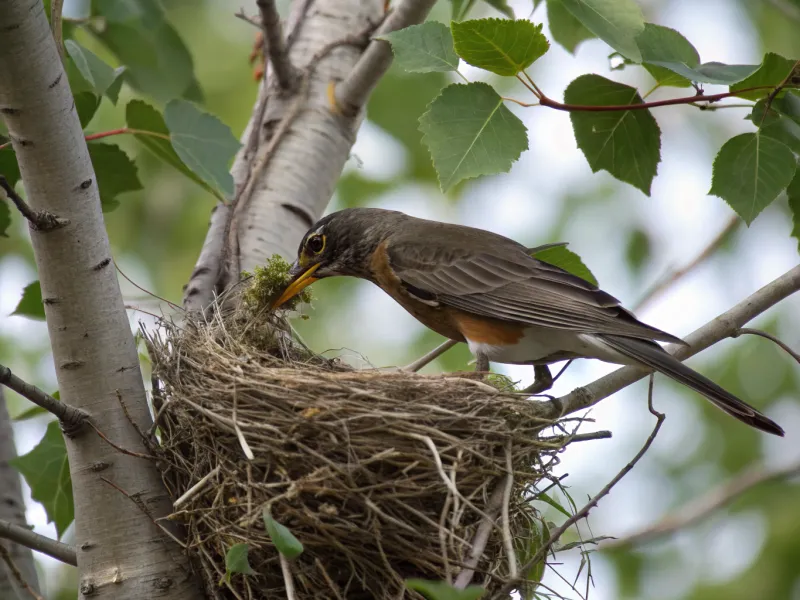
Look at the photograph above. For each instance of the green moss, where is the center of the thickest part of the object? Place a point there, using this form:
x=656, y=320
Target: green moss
x=501, y=382
x=268, y=283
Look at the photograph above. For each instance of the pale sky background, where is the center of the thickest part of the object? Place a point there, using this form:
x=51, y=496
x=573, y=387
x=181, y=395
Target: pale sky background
x=681, y=219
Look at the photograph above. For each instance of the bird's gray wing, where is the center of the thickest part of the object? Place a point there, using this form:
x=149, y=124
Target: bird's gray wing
x=510, y=285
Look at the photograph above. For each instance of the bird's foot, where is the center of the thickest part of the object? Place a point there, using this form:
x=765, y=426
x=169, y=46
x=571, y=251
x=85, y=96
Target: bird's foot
x=482, y=363
x=543, y=381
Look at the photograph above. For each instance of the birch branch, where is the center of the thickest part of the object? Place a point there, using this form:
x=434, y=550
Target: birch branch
x=705, y=505
x=274, y=44
x=30, y=539
x=72, y=417
x=724, y=326
x=352, y=93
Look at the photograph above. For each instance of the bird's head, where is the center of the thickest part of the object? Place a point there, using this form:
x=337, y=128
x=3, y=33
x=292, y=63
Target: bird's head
x=341, y=243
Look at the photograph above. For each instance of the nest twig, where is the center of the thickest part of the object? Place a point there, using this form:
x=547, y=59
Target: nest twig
x=382, y=476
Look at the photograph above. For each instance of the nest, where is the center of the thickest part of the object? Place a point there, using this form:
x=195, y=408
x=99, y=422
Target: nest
x=382, y=476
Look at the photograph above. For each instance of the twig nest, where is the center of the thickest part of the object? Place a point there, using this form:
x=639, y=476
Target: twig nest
x=382, y=476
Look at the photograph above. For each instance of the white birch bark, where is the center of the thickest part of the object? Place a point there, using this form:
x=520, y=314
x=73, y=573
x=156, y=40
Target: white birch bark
x=122, y=554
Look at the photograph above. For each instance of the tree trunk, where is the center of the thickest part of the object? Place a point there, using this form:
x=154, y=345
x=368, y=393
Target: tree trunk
x=122, y=554
x=286, y=179
x=12, y=509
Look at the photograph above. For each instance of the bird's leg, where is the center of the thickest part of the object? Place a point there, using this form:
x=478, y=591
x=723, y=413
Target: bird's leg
x=481, y=363
x=542, y=380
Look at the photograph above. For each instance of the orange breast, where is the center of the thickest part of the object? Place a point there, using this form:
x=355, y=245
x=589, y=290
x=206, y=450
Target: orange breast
x=485, y=330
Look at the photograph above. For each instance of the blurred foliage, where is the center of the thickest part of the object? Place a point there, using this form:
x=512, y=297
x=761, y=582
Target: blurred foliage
x=156, y=234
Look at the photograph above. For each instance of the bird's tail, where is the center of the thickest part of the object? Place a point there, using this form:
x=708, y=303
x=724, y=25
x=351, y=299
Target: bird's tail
x=654, y=356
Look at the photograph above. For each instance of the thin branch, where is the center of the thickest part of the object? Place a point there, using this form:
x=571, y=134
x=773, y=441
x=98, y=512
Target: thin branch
x=770, y=337
x=39, y=543
x=724, y=326
x=550, y=103
x=274, y=44
x=672, y=278
x=40, y=220
x=12, y=567
x=288, y=582
x=120, y=448
x=352, y=93
x=481, y=538
x=513, y=583
x=192, y=491
x=56, y=16
x=705, y=505
x=507, y=539
x=73, y=418
x=148, y=292
x=430, y=356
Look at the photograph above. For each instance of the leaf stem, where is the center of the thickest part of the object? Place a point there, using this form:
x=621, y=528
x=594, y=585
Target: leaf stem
x=124, y=130
x=460, y=74
x=652, y=89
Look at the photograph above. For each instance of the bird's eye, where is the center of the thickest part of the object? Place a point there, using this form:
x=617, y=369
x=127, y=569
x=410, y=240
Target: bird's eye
x=316, y=244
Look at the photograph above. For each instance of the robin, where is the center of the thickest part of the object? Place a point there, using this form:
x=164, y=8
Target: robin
x=484, y=289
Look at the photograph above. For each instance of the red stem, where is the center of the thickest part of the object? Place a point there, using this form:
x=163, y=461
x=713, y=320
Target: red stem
x=102, y=134
x=545, y=101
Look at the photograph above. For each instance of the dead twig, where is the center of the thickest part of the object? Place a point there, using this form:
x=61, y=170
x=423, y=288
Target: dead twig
x=274, y=44
x=39, y=220
x=671, y=278
x=705, y=505
x=72, y=419
x=15, y=572
x=430, y=356
x=769, y=336
x=506, y=589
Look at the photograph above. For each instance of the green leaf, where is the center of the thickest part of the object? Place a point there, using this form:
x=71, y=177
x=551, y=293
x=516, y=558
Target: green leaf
x=637, y=249
x=527, y=547
x=423, y=48
x=566, y=30
x=565, y=259
x=711, y=72
x=236, y=561
x=5, y=218
x=499, y=45
x=33, y=411
x=31, y=304
x=138, y=34
x=284, y=540
x=549, y=500
x=750, y=171
x=142, y=117
x=625, y=143
x=203, y=142
x=8, y=164
x=616, y=22
x=94, y=70
x=502, y=7
x=440, y=590
x=86, y=104
x=662, y=44
x=46, y=469
x=781, y=122
x=773, y=70
x=469, y=132
x=793, y=191
x=115, y=172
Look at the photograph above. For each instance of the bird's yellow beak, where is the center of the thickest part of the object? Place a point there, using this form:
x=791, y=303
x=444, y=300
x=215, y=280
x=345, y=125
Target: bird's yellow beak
x=302, y=280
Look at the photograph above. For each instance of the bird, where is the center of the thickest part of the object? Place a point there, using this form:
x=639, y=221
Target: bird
x=475, y=286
